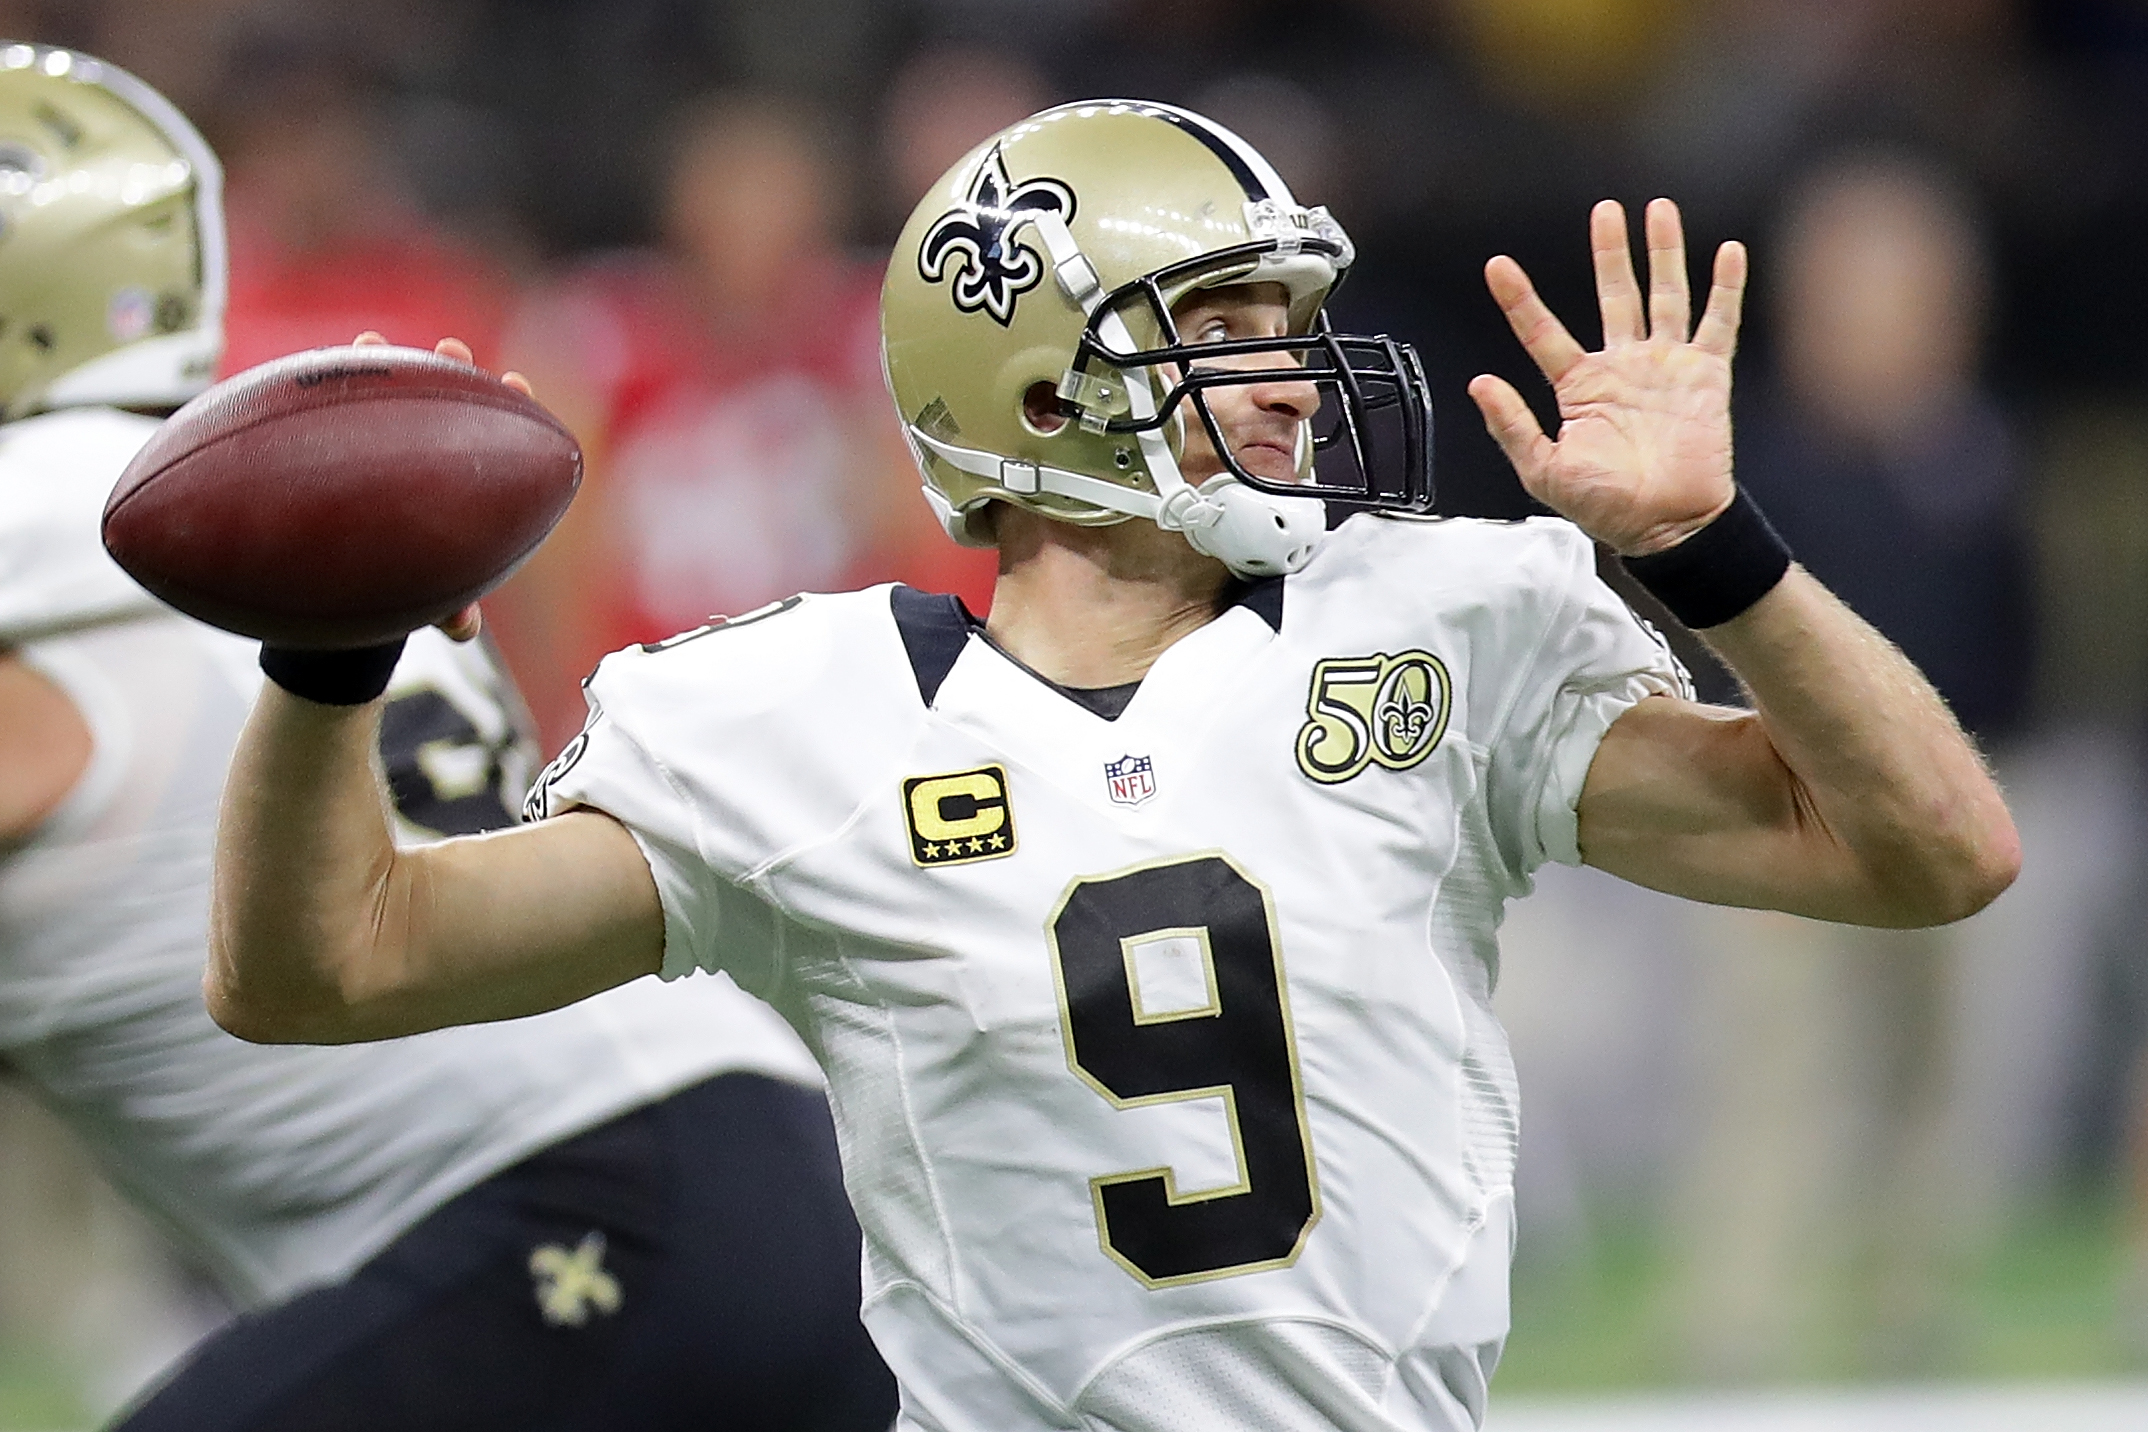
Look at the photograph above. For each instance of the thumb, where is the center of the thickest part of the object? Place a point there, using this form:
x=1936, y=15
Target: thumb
x=1514, y=427
x=465, y=624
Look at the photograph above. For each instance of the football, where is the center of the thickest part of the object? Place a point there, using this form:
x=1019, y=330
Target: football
x=341, y=497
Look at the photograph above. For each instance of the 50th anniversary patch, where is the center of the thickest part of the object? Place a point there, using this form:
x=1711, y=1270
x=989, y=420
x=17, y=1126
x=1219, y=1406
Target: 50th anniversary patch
x=1380, y=710
x=959, y=818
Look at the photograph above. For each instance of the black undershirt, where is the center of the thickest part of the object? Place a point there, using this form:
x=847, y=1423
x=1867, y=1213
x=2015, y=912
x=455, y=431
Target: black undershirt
x=1110, y=702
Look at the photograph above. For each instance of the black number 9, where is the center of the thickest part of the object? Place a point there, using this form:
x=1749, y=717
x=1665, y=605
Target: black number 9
x=1236, y=1046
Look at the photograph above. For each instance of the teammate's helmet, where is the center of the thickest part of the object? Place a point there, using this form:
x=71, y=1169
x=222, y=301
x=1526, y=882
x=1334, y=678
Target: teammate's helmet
x=111, y=239
x=1053, y=254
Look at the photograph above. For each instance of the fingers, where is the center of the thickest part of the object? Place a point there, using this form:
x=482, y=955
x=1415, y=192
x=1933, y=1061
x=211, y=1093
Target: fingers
x=1539, y=330
x=1513, y=426
x=1718, y=331
x=1670, y=304
x=465, y=624
x=1670, y=300
x=453, y=349
x=1618, y=293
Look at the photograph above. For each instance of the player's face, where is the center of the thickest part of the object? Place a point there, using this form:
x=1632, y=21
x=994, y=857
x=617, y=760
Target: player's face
x=1260, y=421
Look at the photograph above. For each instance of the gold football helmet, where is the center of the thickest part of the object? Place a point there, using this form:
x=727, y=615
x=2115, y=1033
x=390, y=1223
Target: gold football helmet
x=112, y=268
x=1053, y=253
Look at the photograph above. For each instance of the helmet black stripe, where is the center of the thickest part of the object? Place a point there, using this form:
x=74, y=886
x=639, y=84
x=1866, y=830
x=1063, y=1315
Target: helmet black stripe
x=1217, y=143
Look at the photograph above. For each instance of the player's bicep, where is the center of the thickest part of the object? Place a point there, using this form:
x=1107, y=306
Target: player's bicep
x=517, y=922
x=1694, y=800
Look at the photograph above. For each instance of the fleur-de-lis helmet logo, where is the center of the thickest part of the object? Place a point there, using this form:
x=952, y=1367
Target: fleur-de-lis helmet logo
x=975, y=241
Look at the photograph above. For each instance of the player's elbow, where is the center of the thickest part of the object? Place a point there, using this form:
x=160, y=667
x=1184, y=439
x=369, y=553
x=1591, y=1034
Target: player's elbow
x=253, y=1020
x=256, y=1020
x=1953, y=878
x=1990, y=867
x=261, y=1013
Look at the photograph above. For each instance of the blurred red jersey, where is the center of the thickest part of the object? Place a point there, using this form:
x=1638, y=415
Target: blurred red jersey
x=407, y=284
x=734, y=467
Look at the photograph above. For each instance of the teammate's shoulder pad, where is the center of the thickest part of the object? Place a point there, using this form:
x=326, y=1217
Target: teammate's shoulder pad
x=78, y=450
x=56, y=471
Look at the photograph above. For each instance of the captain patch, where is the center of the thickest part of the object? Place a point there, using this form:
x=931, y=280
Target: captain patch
x=959, y=818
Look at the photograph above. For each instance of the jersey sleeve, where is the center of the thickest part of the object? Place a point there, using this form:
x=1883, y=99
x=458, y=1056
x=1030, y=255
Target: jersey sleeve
x=709, y=922
x=730, y=750
x=1586, y=659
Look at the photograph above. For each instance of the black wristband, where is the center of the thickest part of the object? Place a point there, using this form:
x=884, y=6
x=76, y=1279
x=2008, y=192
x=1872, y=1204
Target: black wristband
x=333, y=678
x=1719, y=571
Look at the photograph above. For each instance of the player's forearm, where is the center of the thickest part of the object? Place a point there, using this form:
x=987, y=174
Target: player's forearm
x=303, y=865
x=1883, y=785
x=323, y=932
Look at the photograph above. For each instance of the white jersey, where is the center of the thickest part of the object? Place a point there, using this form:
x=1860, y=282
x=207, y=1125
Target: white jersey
x=279, y=1167
x=1168, y=1087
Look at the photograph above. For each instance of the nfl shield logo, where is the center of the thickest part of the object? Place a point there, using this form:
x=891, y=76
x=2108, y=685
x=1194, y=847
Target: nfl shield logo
x=1132, y=779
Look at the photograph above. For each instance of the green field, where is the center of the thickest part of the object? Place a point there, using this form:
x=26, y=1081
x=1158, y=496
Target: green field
x=2043, y=1302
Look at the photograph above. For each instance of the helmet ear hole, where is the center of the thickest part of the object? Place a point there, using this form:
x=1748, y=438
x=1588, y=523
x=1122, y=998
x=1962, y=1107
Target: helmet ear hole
x=1043, y=412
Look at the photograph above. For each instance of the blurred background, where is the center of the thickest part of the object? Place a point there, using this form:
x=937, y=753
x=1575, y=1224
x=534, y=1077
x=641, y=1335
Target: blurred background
x=1760, y=1151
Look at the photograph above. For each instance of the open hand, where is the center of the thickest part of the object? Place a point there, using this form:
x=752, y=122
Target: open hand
x=1642, y=459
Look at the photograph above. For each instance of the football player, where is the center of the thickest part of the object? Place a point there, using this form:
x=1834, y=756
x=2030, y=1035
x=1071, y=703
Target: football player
x=1146, y=931
x=623, y=1214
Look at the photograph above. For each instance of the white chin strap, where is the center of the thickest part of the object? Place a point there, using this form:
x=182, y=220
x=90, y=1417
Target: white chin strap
x=1254, y=533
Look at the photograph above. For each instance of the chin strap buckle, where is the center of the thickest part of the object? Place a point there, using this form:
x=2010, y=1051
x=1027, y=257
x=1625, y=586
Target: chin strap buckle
x=1077, y=280
x=1071, y=269
x=1019, y=476
x=1186, y=510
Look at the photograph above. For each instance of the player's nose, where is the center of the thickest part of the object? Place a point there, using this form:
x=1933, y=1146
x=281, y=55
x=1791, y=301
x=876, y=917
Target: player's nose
x=1296, y=398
